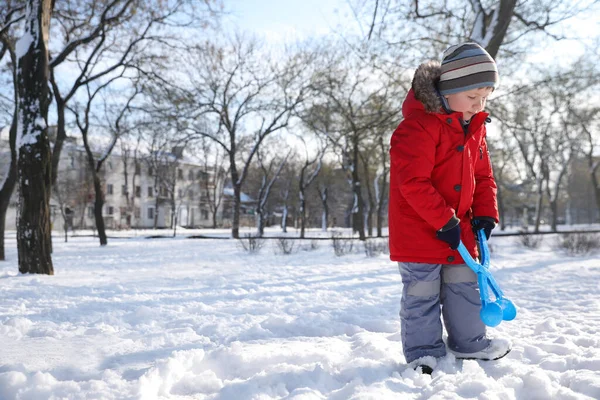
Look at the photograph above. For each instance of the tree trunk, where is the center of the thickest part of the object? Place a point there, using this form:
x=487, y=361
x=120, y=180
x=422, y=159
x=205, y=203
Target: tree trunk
x=380, y=205
x=9, y=184
x=284, y=219
x=382, y=192
x=595, y=184
x=371, y=201
x=505, y=14
x=235, y=224
x=34, y=240
x=554, y=210
x=538, y=206
x=500, y=197
x=325, y=215
x=369, y=222
x=156, y=189
x=302, y=213
x=98, y=204
x=261, y=223
x=359, y=211
x=61, y=134
x=174, y=215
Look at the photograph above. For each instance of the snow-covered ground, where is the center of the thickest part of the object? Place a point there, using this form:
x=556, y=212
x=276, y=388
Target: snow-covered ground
x=201, y=319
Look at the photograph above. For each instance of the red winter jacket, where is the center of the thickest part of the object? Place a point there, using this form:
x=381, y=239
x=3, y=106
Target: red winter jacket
x=437, y=171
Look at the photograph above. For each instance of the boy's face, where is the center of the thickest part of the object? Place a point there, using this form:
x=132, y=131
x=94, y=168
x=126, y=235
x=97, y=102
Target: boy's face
x=469, y=102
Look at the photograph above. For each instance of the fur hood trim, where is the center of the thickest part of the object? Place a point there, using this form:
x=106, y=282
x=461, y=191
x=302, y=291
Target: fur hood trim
x=424, y=86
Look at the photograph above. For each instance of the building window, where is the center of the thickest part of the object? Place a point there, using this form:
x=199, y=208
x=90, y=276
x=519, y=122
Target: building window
x=164, y=192
x=138, y=191
x=110, y=210
x=137, y=168
x=109, y=188
x=137, y=212
x=191, y=195
x=180, y=193
x=150, y=191
x=90, y=212
x=190, y=175
x=123, y=211
x=124, y=190
x=110, y=165
x=204, y=214
x=150, y=171
x=179, y=173
x=150, y=212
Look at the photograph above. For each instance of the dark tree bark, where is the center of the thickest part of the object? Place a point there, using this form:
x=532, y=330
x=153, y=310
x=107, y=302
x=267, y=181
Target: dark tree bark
x=325, y=216
x=365, y=158
x=359, y=206
x=34, y=239
x=304, y=182
x=265, y=189
x=382, y=192
x=98, y=204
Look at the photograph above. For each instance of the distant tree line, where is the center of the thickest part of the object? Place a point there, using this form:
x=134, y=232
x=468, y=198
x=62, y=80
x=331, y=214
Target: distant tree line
x=303, y=128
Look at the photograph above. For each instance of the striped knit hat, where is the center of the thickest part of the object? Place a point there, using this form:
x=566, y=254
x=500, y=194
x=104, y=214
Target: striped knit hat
x=467, y=66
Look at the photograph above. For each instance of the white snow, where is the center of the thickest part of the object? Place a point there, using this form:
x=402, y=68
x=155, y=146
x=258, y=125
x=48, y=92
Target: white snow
x=23, y=44
x=201, y=319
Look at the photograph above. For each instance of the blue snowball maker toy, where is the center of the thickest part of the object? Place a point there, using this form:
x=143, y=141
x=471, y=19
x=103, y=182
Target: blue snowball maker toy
x=492, y=311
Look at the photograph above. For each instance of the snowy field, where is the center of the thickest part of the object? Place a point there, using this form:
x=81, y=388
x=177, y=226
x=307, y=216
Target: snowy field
x=201, y=319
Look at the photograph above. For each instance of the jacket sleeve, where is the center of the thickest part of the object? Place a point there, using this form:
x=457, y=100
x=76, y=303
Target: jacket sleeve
x=413, y=155
x=484, y=199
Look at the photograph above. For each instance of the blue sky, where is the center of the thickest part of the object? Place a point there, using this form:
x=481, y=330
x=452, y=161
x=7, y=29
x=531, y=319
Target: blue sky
x=277, y=21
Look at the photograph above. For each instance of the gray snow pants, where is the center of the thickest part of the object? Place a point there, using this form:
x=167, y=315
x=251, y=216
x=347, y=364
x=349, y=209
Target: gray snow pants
x=429, y=287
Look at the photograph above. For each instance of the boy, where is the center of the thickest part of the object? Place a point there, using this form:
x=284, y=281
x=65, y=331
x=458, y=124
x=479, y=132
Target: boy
x=442, y=186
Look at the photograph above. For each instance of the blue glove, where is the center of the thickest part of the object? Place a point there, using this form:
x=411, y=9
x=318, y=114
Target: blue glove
x=485, y=223
x=450, y=233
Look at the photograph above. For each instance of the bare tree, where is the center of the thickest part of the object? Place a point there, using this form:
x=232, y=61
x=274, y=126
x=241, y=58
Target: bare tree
x=83, y=117
x=589, y=121
x=381, y=180
x=213, y=179
x=9, y=17
x=166, y=151
x=289, y=174
x=505, y=156
x=539, y=120
x=130, y=155
x=493, y=24
x=348, y=111
x=309, y=170
x=108, y=36
x=270, y=173
x=66, y=192
x=323, y=196
x=367, y=158
x=34, y=239
x=247, y=98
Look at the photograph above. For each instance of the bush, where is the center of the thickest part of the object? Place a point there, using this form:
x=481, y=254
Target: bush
x=341, y=245
x=285, y=245
x=251, y=244
x=530, y=241
x=311, y=246
x=375, y=247
x=579, y=243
